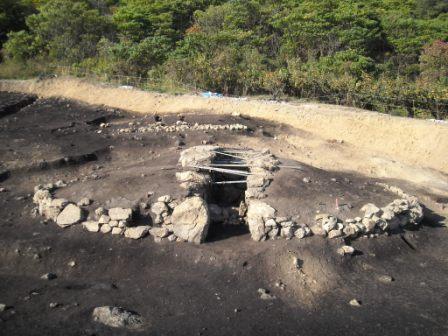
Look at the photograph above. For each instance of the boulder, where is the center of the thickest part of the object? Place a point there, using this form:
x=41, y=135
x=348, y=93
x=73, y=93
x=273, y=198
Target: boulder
x=287, y=232
x=159, y=208
x=120, y=214
x=335, y=234
x=160, y=232
x=257, y=214
x=369, y=224
x=113, y=223
x=318, y=230
x=198, y=155
x=302, y=232
x=91, y=226
x=71, y=214
x=105, y=228
x=191, y=180
x=50, y=212
x=118, y=317
x=371, y=209
x=190, y=220
x=329, y=223
x=117, y=231
x=136, y=232
x=41, y=195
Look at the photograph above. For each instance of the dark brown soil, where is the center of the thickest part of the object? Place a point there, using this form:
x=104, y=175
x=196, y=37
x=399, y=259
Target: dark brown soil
x=183, y=289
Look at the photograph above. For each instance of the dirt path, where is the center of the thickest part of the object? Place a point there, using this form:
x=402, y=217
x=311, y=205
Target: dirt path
x=330, y=137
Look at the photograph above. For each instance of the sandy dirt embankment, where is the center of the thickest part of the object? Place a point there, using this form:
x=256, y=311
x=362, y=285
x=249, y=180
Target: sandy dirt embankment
x=327, y=136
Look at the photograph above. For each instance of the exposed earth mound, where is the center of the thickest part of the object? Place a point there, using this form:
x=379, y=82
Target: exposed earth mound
x=111, y=207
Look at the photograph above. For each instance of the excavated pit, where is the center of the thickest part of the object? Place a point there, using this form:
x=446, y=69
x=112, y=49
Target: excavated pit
x=225, y=196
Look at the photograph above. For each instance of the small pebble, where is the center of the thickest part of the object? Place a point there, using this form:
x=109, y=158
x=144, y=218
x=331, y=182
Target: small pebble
x=355, y=303
x=385, y=279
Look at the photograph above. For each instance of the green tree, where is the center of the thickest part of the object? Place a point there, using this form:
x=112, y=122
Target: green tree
x=12, y=16
x=66, y=30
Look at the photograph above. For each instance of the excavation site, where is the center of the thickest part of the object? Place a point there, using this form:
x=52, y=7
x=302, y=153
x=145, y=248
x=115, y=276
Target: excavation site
x=126, y=212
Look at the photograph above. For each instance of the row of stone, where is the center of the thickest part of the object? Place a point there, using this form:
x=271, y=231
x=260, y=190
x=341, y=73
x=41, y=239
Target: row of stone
x=400, y=213
x=263, y=223
x=262, y=166
x=159, y=127
x=178, y=221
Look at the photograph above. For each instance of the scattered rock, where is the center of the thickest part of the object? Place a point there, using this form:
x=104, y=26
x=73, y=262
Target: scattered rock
x=343, y=250
x=2, y=307
x=71, y=214
x=71, y=263
x=136, y=232
x=118, y=317
x=49, y=276
x=385, y=279
x=265, y=294
x=190, y=220
x=355, y=303
x=54, y=305
x=84, y=201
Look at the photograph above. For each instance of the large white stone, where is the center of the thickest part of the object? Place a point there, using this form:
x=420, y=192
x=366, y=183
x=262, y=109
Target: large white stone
x=136, y=232
x=190, y=220
x=71, y=214
x=91, y=226
x=257, y=214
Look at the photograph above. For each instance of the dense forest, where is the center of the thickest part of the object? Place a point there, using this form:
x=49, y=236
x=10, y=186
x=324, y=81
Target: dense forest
x=384, y=55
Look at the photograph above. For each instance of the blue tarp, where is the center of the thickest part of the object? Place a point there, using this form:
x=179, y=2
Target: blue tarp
x=209, y=94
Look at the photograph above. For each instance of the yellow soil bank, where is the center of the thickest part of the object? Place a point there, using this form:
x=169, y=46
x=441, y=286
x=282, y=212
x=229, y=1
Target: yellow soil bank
x=374, y=144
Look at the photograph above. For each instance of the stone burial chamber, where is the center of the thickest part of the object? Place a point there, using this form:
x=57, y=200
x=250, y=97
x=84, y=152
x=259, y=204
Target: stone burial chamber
x=239, y=188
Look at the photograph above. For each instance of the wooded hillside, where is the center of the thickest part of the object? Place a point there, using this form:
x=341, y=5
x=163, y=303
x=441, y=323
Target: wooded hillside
x=384, y=55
